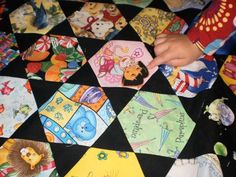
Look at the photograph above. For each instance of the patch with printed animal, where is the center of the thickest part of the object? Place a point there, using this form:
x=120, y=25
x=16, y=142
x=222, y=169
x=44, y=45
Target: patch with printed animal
x=76, y=114
x=36, y=16
x=122, y=64
x=97, y=20
x=25, y=158
x=18, y=105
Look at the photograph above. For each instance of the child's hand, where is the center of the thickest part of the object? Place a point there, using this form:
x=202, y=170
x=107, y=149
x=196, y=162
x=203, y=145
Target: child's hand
x=174, y=50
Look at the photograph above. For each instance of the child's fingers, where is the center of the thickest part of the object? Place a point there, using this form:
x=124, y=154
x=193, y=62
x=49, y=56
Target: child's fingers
x=160, y=48
x=162, y=59
x=159, y=40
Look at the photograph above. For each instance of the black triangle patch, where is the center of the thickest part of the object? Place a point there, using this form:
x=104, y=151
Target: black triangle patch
x=113, y=140
x=66, y=156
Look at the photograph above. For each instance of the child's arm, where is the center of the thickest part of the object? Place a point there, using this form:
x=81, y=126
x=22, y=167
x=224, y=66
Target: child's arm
x=215, y=26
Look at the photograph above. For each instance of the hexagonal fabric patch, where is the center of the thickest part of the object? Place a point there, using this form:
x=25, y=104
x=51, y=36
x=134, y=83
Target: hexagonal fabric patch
x=122, y=64
x=8, y=49
x=102, y=162
x=53, y=58
x=189, y=80
x=97, y=20
x=17, y=104
x=203, y=166
x=141, y=4
x=26, y=158
x=228, y=72
x=176, y=6
x=76, y=114
x=36, y=16
x=150, y=22
x=156, y=124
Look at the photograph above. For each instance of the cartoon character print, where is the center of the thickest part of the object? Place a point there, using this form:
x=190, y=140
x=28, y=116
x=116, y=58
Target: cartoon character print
x=84, y=126
x=25, y=158
x=189, y=80
x=220, y=112
x=116, y=66
x=97, y=20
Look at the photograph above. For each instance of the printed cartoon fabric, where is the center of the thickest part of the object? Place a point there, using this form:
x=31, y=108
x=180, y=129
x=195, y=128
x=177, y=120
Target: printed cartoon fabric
x=25, y=158
x=76, y=114
x=228, y=72
x=102, y=162
x=189, y=80
x=163, y=114
x=122, y=64
x=8, y=49
x=97, y=20
x=53, y=58
x=17, y=104
x=36, y=16
x=142, y=4
x=207, y=165
x=179, y=5
x=215, y=26
x=150, y=22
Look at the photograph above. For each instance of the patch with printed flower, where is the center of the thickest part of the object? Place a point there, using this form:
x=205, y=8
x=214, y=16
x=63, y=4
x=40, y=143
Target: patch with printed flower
x=8, y=49
x=106, y=163
x=26, y=158
x=36, y=16
x=53, y=58
x=122, y=64
x=97, y=20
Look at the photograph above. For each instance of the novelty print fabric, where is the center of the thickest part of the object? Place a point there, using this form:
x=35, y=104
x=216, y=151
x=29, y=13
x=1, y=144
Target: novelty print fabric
x=25, y=158
x=53, y=58
x=189, y=80
x=163, y=114
x=122, y=64
x=150, y=22
x=103, y=162
x=17, y=104
x=219, y=112
x=179, y=5
x=215, y=26
x=8, y=49
x=228, y=72
x=140, y=4
x=207, y=165
x=76, y=114
x=36, y=16
x=97, y=20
